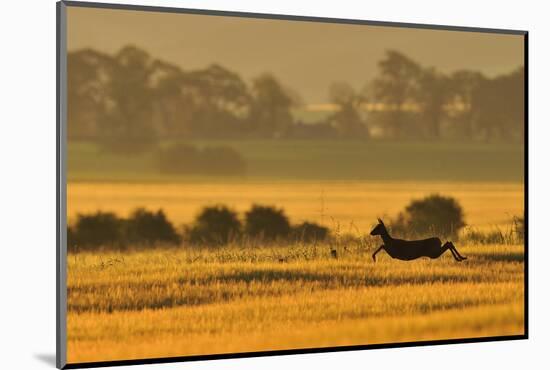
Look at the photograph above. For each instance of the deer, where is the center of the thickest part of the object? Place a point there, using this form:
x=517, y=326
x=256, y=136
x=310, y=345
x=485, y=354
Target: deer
x=408, y=250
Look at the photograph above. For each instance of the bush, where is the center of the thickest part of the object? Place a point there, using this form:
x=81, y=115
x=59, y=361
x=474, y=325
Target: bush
x=187, y=159
x=433, y=215
x=222, y=161
x=215, y=225
x=106, y=230
x=266, y=223
x=94, y=230
x=181, y=158
x=71, y=239
x=309, y=232
x=146, y=227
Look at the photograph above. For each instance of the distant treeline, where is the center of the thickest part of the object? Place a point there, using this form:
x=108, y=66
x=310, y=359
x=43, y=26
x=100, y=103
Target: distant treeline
x=128, y=100
x=213, y=226
x=434, y=215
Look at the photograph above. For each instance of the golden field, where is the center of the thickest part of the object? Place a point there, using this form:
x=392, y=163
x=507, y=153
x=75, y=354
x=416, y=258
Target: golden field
x=186, y=300
x=178, y=302
x=486, y=204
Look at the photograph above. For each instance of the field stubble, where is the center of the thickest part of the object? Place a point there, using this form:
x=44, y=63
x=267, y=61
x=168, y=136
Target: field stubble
x=199, y=301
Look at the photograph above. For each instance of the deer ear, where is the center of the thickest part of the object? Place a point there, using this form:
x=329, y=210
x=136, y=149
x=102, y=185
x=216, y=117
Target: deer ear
x=380, y=220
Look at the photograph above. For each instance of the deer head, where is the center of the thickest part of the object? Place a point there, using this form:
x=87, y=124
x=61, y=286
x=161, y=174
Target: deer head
x=379, y=229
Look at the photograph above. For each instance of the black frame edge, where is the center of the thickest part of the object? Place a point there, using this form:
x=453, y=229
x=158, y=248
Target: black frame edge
x=526, y=182
x=238, y=355
x=227, y=13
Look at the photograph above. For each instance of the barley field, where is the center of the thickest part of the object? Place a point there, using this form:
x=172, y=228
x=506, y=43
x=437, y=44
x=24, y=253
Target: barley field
x=179, y=302
x=249, y=296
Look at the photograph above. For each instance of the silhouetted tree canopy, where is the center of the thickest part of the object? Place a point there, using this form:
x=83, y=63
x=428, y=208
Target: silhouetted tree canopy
x=89, y=74
x=395, y=87
x=433, y=215
x=432, y=95
x=347, y=119
x=478, y=107
x=266, y=222
x=498, y=104
x=128, y=100
x=215, y=225
x=127, y=125
x=95, y=230
x=270, y=114
x=149, y=228
x=221, y=102
x=464, y=85
x=107, y=230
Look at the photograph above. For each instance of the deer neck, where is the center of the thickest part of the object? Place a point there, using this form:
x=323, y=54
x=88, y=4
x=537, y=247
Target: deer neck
x=386, y=237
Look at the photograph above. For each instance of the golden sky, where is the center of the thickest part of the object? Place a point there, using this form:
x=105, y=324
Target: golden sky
x=306, y=56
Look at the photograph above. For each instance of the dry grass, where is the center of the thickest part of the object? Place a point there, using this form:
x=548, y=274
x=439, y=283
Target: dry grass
x=188, y=302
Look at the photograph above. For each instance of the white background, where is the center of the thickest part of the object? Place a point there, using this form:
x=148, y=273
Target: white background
x=27, y=181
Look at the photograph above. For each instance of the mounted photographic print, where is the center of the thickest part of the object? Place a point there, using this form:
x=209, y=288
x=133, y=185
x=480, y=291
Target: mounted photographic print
x=235, y=184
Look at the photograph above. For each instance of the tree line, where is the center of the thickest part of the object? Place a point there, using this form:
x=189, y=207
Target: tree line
x=129, y=99
x=213, y=226
x=465, y=102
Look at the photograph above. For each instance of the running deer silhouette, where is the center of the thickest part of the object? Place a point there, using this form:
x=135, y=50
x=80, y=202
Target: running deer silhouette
x=408, y=250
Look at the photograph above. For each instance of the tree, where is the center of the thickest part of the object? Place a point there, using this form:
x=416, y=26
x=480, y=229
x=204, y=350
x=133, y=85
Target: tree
x=347, y=119
x=433, y=215
x=101, y=229
x=209, y=102
x=463, y=86
x=396, y=86
x=266, y=222
x=515, y=101
x=127, y=126
x=221, y=101
x=498, y=105
x=88, y=76
x=270, y=114
x=215, y=225
x=173, y=100
x=149, y=228
x=432, y=95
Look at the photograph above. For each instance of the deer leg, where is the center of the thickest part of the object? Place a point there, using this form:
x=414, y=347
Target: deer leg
x=450, y=246
x=455, y=251
x=447, y=246
x=437, y=253
x=378, y=250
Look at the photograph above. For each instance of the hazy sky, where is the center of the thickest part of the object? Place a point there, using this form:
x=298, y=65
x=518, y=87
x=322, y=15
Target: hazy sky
x=305, y=56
